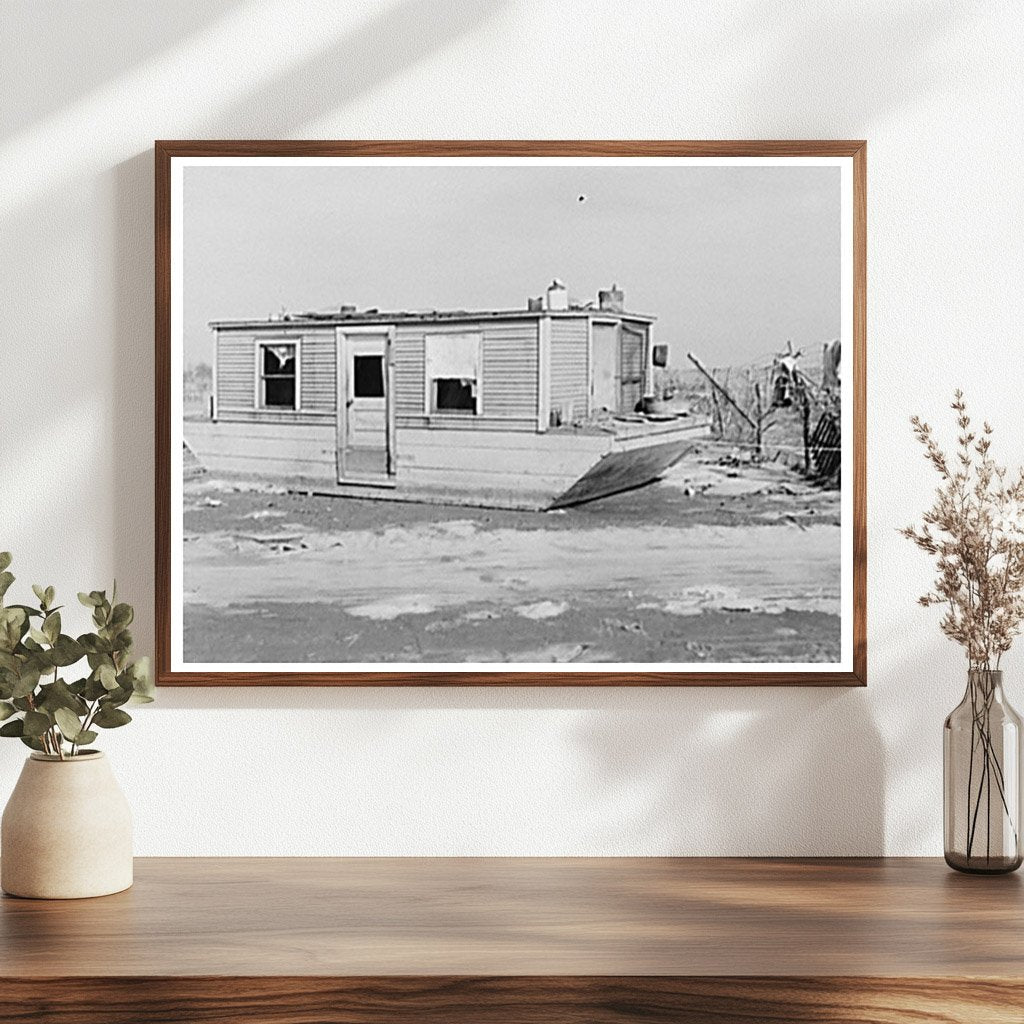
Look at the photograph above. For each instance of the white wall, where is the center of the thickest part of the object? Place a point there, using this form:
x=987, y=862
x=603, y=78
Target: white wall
x=935, y=87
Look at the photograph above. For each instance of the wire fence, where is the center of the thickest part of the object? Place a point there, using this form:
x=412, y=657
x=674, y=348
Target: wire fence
x=778, y=411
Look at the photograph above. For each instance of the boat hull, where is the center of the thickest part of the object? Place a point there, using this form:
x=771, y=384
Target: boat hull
x=485, y=469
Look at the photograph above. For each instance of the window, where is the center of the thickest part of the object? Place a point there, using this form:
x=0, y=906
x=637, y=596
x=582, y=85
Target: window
x=278, y=376
x=368, y=376
x=453, y=373
x=453, y=394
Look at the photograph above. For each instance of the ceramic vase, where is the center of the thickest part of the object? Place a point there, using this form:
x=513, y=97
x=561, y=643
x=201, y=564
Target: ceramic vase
x=66, y=831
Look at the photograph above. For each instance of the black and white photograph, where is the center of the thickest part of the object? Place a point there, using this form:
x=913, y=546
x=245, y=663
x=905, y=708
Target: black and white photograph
x=573, y=414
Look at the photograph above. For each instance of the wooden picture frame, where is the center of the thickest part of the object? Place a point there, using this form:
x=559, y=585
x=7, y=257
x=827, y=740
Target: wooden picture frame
x=455, y=392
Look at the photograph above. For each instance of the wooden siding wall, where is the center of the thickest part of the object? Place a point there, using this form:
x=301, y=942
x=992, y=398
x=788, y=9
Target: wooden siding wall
x=236, y=372
x=570, y=373
x=510, y=368
x=266, y=449
x=504, y=468
x=318, y=373
x=410, y=370
x=236, y=377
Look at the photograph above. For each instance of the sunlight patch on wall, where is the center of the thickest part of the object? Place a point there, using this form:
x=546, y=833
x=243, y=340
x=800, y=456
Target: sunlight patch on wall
x=187, y=84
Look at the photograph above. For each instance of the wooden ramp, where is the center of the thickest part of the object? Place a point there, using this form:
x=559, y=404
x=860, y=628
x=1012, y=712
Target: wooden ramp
x=622, y=471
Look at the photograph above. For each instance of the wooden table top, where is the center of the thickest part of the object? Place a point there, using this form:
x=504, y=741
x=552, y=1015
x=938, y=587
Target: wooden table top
x=331, y=917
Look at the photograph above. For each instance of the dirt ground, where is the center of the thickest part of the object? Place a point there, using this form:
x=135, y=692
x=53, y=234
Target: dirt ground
x=715, y=563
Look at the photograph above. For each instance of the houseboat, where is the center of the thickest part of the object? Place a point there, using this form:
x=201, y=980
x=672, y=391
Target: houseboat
x=512, y=408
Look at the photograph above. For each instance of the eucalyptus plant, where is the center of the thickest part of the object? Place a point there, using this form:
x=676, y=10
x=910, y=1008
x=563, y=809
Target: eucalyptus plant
x=37, y=704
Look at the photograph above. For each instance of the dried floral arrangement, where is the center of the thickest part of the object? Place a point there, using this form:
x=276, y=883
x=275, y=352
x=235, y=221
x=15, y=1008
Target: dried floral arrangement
x=975, y=530
x=47, y=713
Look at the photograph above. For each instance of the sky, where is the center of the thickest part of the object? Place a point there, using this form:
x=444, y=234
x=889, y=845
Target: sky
x=732, y=261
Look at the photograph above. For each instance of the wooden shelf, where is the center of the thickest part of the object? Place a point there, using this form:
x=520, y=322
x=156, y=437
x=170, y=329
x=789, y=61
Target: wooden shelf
x=577, y=941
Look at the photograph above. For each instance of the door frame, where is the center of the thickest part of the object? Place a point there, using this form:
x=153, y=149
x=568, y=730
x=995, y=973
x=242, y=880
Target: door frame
x=644, y=337
x=599, y=321
x=342, y=399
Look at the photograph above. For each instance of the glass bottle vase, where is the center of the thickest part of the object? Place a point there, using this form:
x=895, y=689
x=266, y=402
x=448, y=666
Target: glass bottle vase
x=981, y=771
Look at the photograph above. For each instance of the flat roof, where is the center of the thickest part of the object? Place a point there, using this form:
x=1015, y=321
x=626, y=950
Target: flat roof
x=337, y=318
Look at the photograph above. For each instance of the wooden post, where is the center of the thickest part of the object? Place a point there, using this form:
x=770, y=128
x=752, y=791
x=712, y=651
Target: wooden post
x=716, y=417
x=544, y=374
x=390, y=429
x=758, y=430
x=805, y=409
x=721, y=390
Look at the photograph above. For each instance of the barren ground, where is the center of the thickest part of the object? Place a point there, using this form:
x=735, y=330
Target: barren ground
x=712, y=564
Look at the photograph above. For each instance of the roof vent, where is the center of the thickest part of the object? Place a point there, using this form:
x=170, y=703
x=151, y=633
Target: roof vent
x=611, y=299
x=558, y=295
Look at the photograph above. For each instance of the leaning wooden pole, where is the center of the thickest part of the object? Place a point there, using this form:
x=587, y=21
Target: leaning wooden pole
x=721, y=390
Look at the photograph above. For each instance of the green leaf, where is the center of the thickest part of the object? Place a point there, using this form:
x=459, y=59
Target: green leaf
x=6, y=579
x=51, y=626
x=16, y=727
x=6, y=710
x=36, y=723
x=27, y=681
x=124, y=641
x=142, y=681
x=94, y=689
x=94, y=644
x=66, y=651
x=69, y=724
x=107, y=676
x=122, y=616
x=86, y=736
x=31, y=741
x=50, y=595
x=38, y=635
x=108, y=718
x=31, y=612
x=12, y=627
x=89, y=600
x=40, y=592
x=5, y=559
x=59, y=695
x=115, y=698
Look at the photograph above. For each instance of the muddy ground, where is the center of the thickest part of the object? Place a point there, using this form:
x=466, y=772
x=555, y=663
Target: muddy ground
x=715, y=563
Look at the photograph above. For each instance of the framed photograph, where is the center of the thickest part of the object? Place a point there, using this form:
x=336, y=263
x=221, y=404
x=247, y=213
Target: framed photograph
x=493, y=413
